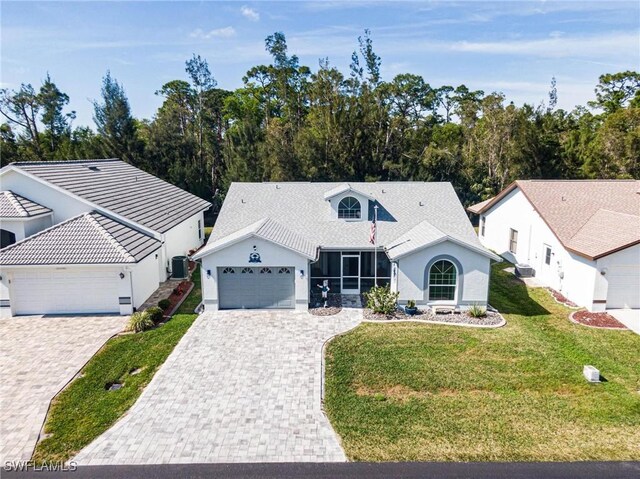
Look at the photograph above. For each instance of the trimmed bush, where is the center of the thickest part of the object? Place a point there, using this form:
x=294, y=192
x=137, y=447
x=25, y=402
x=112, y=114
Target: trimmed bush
x=155, y=313
x=477, y=311
x=382, y=300
x=140, y=321
x=163, y=304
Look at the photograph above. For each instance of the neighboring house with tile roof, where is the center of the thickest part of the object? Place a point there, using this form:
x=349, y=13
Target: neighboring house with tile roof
x=581, y=237
x=274, y=243
x=90, y=236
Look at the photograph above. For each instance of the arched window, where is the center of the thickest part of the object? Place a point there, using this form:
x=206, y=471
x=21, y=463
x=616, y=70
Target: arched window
x=265, y=270
x=228, y=271
x=247, y=270
x=443, y=279
x=349, y=208
x=284, y=271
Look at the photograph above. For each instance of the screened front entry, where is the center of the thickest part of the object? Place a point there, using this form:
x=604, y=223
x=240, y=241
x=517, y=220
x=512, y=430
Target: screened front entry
x=349, y=272
x=443, y=281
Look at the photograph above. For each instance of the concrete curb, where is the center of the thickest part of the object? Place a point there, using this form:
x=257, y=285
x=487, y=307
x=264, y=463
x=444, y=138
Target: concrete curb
x=502, y=323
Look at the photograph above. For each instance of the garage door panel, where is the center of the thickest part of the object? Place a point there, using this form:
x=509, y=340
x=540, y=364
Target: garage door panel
x=63, y=292
x=624, y=286
x=256, y=288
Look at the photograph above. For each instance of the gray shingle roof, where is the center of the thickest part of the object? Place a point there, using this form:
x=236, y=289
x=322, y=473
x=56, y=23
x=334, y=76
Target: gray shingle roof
x=267, y=229
x=90, y=238
x=303, y=209
x=16, y=206
x=121, y=188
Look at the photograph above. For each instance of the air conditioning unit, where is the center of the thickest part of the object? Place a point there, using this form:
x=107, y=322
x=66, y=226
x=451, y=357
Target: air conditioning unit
x=524, y=271
x=591, y=374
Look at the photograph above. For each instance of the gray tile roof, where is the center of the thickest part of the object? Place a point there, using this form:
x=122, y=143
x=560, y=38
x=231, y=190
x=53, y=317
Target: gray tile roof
x=13, y=205
x=121, y=188
x=90, y=238
x=302, y=208
x=267, y=229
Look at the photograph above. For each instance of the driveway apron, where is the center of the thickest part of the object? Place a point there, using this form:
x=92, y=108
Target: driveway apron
x=241, y=386
x=38, y=356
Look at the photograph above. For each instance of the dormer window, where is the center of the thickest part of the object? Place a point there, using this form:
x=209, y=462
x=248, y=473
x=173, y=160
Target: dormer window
x=349, y=208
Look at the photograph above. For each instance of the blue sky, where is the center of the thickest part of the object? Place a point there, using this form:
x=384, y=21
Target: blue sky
x=514, y=47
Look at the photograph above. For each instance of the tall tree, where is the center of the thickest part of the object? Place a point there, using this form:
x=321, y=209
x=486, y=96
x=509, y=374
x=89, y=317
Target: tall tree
x=616, y=90
x=22, y=109
x=116, y=125
x=57, y=123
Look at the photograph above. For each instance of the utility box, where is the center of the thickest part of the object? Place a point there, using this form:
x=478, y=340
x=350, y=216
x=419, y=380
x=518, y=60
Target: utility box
x=524, y=271
x=591, y=374
x=179, y=267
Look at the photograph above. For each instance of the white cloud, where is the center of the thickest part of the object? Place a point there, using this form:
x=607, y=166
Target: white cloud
x=250, y=13
x=558, y=47
x=225, y=32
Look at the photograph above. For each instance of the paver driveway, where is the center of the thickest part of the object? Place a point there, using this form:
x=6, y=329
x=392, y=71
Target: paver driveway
x=38, y=356
x=241, y=386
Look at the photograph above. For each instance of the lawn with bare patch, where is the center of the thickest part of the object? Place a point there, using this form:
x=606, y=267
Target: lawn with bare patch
x=408, y=392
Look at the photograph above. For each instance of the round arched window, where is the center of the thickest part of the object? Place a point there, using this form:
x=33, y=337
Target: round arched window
x=349, y=208
x=443, y=279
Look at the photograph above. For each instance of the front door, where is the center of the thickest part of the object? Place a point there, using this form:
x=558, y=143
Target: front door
x=351, y=273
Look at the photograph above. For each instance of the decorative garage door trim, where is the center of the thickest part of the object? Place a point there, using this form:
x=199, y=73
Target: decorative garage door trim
x=65, y=292
x=264, y=287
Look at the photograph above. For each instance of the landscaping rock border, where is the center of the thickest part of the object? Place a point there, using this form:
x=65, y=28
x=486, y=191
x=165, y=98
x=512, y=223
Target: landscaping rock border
x=560, y=299
x=610, y=318
x=493, y=319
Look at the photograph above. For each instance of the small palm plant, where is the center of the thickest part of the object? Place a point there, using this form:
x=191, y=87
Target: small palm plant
x=477, y=311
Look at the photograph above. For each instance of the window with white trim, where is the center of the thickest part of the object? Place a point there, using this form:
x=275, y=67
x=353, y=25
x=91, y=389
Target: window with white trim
x=349, y=208
x=547, y=254
x=443, y=279
x=513, y=241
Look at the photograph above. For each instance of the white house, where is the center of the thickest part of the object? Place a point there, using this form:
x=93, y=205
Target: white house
x=581, y=238
x=274, y=243
x=90, y=236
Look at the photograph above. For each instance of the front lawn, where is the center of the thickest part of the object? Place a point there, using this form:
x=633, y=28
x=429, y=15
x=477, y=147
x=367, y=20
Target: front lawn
x=416, y=392
x=85, y=409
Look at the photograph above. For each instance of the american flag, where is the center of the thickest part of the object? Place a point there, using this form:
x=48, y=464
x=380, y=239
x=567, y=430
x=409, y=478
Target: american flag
x=372, y=234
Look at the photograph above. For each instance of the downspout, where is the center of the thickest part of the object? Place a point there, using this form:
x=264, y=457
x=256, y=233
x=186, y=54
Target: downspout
x=133, y=308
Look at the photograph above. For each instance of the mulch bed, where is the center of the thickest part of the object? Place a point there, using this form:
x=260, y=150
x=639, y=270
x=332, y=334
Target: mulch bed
x=177, y=294
x=596, y=320
x=492, y=318
x=561, y=299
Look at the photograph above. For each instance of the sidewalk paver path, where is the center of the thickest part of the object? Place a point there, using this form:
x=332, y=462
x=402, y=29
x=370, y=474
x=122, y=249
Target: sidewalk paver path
x=241, y=386
x=38, y=356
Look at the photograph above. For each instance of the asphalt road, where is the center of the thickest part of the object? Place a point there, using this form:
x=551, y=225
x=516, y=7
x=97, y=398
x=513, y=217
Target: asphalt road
x=421, y=470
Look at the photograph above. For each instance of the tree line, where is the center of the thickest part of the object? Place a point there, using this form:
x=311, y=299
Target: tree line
x=288, y=123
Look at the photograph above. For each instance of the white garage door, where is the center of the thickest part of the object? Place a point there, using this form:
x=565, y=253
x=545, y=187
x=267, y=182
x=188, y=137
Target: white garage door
x=256, y=288
x=65, y=292
x=624, y=286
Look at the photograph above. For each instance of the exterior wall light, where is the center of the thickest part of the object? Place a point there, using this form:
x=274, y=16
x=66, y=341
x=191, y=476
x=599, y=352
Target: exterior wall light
x=603, y=271
x=121, y=275
x=301, y=273
x=208, y=273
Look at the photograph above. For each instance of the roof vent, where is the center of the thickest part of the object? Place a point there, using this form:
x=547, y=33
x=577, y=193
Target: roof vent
x=93, y=168
x=421, y=203
x=277, y=187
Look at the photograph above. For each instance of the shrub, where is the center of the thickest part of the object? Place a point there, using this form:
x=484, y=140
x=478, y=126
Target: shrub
x=477, y=311
x=155, y=314
x=163, y=304
x=139, y=321
x=411, y=303
x=382, y=300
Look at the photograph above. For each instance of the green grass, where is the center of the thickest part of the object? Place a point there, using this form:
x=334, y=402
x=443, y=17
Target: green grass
x=85, y=409
x=407, y=392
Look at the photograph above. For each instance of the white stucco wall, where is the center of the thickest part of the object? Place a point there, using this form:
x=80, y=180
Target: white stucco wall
x=39, y=223
x=145, y=278
x=182, y=238
x=238, y=255
x=15, y=226
x=569, y=273
x=63, y=205
x=473, y=287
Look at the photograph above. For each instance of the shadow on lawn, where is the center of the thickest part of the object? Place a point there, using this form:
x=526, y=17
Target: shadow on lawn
x=510, y=295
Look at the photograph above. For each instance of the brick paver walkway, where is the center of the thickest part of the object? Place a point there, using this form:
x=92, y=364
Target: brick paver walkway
x=38, y=356
x=241, y=386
